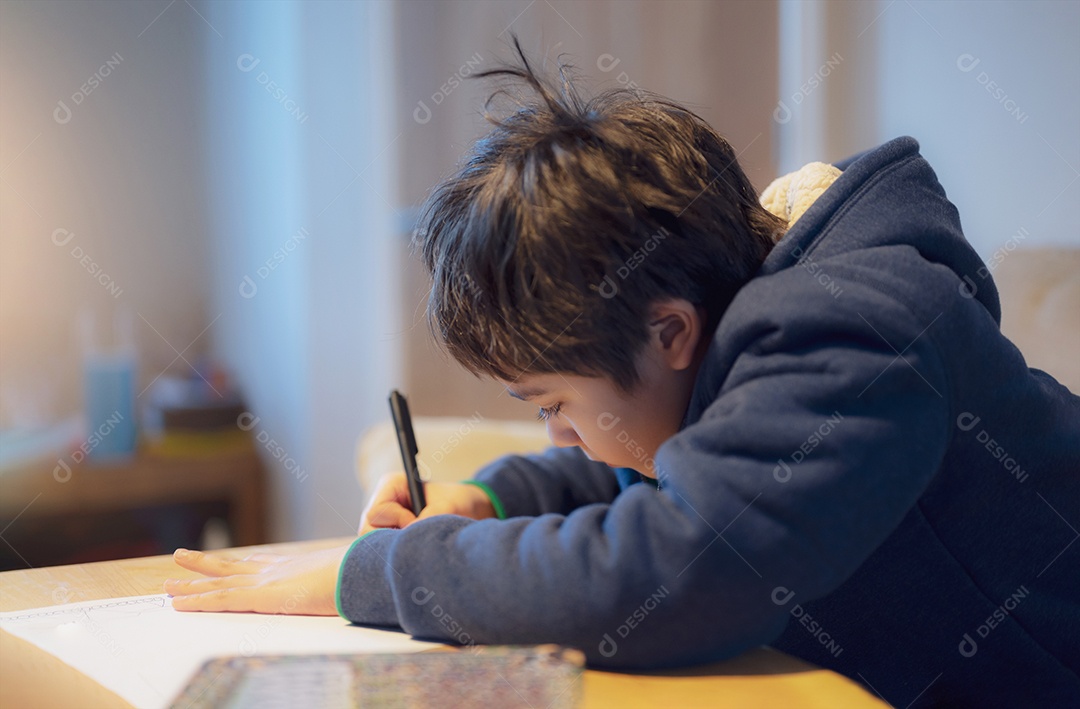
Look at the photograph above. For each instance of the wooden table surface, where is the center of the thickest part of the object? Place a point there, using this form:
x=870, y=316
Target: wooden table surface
x=30, y=677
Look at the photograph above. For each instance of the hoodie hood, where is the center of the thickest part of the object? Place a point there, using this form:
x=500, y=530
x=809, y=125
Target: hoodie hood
x=884, y=197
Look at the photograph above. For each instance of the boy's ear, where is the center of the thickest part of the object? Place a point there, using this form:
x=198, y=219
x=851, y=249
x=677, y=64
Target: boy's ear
x=674, y=331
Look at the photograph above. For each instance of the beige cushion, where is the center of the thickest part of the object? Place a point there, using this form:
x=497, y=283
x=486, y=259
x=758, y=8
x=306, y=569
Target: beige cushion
x=1040, y=308
x=451, y=449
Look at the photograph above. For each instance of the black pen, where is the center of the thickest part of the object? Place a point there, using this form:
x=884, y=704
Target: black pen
x=399, y=409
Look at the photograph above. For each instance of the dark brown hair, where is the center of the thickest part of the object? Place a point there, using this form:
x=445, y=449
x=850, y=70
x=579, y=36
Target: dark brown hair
x=571, y=217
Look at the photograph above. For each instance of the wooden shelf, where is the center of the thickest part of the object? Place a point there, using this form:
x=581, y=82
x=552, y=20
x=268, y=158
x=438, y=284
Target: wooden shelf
x=233, y=476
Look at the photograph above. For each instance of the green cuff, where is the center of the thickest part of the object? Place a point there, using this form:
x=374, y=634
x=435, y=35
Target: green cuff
x=341, y=569
x=500, y=512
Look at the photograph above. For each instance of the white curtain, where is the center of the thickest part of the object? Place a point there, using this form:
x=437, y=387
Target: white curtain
x=300, y=149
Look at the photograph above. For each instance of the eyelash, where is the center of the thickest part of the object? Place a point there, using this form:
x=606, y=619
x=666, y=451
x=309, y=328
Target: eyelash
x=545, y=414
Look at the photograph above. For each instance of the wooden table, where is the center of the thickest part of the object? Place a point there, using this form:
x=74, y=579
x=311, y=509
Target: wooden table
x=32, y=677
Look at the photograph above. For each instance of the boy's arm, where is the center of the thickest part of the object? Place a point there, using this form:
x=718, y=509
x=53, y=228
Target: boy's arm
x=559, y=480
x=701, y=569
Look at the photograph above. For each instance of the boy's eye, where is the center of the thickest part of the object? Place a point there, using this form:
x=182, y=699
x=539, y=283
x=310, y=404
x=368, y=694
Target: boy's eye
x=545, y=413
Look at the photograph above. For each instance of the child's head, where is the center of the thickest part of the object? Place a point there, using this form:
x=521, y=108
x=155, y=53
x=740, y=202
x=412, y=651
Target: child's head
x=571, y=219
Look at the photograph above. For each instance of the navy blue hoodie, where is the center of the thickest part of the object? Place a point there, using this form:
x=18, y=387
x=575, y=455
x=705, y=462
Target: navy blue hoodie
x=868, y=476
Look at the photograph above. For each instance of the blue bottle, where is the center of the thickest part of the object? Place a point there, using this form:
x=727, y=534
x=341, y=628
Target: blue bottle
x=110, y=379
x=109, y=383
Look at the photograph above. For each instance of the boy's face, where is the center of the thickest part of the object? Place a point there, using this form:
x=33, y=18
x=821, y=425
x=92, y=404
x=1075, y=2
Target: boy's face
x=618, y=428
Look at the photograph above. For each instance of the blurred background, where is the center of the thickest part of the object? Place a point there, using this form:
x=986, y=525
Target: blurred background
x=205, y=210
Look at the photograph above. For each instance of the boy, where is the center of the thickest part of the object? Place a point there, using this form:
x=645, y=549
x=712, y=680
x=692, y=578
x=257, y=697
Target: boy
x=770, y=428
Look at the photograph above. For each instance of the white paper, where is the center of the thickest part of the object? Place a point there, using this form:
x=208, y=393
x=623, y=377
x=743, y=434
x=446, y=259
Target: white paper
x=144, y=651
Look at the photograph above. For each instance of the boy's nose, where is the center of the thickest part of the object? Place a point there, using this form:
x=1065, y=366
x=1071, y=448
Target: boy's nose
x=561, y=433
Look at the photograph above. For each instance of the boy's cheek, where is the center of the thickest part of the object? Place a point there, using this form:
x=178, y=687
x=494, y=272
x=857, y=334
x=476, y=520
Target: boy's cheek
x=588, y=453
x=606, y=457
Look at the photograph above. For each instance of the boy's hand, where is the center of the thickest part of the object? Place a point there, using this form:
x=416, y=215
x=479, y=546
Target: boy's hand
x=390, y=507
x=298, y=584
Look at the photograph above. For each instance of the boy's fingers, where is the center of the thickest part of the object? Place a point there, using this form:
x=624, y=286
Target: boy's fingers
x=389, y=514
x=393, y=487
x=391, y=491
x=187, y=587
x=224, y=599
x=263, y=557
x=214, y=565
x=444, y=508
x=432, y=510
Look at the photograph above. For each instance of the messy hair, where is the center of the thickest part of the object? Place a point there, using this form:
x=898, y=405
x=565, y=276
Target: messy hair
x=571, y=217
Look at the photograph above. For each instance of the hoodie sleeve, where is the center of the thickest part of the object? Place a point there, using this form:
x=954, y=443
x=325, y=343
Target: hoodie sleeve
x=818, y=439
x=559, y=480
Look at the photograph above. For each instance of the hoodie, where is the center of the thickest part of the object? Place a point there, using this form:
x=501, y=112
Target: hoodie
x=868, y=476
